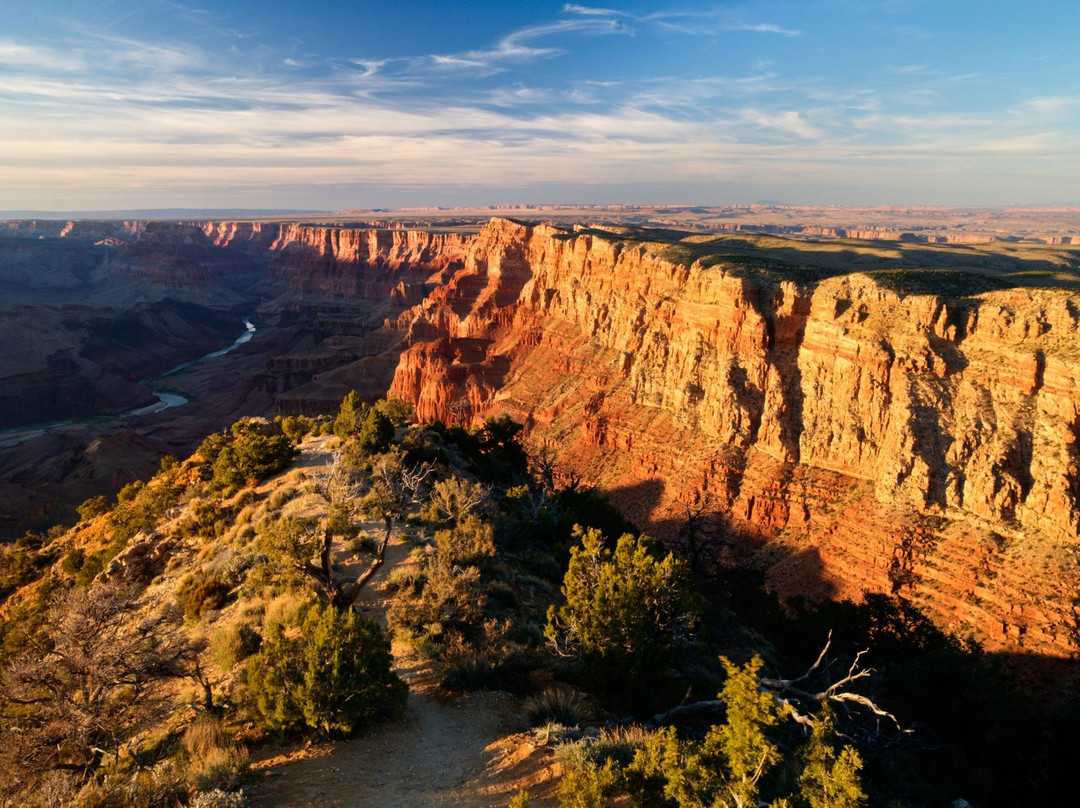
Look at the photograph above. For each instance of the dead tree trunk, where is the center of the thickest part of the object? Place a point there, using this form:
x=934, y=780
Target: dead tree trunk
x=377, y=562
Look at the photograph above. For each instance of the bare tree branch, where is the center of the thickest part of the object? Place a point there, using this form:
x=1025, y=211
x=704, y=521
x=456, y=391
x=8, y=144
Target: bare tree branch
x=798, y=700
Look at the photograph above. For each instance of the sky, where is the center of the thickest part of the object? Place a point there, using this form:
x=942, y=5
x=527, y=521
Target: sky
x=333, y=104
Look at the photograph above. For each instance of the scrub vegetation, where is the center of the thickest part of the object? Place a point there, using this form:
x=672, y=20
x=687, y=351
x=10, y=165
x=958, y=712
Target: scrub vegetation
x=208, y=611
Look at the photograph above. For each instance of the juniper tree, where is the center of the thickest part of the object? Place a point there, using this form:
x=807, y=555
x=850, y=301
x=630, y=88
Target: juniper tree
x=333, y=675
x=626, y=613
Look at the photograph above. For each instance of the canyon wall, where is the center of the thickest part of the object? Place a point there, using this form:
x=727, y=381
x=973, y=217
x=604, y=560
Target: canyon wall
x=842, y=436
x=851, y=438
x=348, y=265
x=338, y=287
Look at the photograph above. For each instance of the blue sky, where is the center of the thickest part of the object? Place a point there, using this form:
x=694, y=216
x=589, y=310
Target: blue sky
x=110, y=104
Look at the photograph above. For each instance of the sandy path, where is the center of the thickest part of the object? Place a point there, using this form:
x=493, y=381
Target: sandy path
x=467, y=750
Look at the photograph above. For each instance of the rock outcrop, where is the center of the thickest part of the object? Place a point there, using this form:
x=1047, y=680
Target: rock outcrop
x=856, y=438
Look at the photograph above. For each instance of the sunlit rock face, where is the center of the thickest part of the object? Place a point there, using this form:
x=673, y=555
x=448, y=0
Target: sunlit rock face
x=843, y=436
x=866, y=441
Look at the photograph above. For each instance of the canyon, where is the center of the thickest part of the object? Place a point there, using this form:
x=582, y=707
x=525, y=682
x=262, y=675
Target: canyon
x=847, y=416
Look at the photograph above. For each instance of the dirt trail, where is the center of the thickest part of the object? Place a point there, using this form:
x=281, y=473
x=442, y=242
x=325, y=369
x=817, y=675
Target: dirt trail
x=467, y=750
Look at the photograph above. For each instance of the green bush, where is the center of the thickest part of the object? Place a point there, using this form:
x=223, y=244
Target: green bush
x=73, y=561
x=376, y=434
x=626, y=614
x=350, y=416
x=398, y=411
x=140, y=506
x=95, y=506
x=211, y=447
x=250, y=457
x=520, y=800
x=19, y=565
x=296, y=427
x=734, y=762
x=333, y=675
x=340, y=522
x=588, y=785
x=91, y=566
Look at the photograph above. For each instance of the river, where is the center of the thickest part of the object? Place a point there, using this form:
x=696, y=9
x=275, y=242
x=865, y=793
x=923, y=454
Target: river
x=166, y=398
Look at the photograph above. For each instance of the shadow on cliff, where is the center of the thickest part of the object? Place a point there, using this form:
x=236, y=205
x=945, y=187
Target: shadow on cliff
x=706, y=539
x=637, y=502
x=998, y=729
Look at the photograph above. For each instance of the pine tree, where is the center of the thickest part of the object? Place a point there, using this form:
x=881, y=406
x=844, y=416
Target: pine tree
x=830, y=778
x=376, y=433
x=625, y=612
x=350, y=416
x=748, y=751
x=332, y=676
x=347, y=678
x=724, y=769
x=272, y=679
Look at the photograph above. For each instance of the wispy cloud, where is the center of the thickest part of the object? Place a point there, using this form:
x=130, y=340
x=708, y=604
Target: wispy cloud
x=174, y=117
x=574, y=8
x=789, y=121
x=20, y=56
x=523, y=45
x=687, y=22
x=767, y=28
x=1050, y=104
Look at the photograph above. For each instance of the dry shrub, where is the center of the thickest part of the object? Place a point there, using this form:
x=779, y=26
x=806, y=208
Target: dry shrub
x=214, y=760
x=471, y=541
x=408, y=579
x=161, y=786
x=555, y=735
x=204, y=736
x=467, y=670
x=245, y=515
x=362, y=544
x=231, y=566
x=202, y=593
x=233, y=644
x=204, y=518
x=285, y=609
x=246, y=498
x=280, y=497
x=619, y=744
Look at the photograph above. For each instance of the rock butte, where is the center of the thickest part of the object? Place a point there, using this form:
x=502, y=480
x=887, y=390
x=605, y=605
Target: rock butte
x=845, y=437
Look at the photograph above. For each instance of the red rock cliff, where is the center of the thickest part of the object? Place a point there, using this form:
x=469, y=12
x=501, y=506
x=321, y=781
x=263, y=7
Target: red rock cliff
x=860, y=439
x=346, y=262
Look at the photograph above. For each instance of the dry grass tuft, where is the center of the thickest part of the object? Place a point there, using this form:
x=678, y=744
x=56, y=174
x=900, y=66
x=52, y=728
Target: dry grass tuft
x=214, y=760
x=559, y=704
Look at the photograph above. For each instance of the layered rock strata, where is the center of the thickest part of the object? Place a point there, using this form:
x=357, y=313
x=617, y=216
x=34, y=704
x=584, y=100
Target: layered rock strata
x=844, y=436
x=864, y=440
